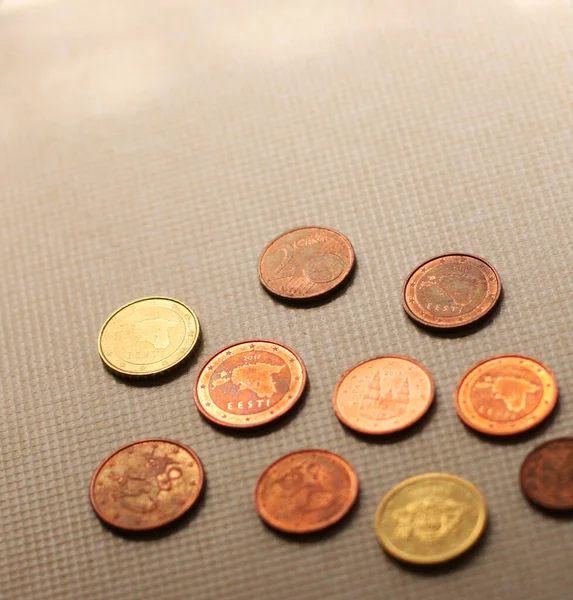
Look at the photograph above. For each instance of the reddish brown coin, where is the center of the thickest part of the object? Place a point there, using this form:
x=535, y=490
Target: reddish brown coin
x=146, y=484
x=506, y=395
x=383, y=395
x=306, y=263
x=250, y=383
x=306, y=491
x=452, y=290
x=547, y=475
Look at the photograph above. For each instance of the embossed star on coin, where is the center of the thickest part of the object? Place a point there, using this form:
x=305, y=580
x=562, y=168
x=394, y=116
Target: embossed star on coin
x=146, y=484
x=306, y=263
x=547, y=475
x=451, y=291
x=148, y=336
x=430, y=518
x=383, y=395
x=250, y=383
x=306, y=491
x=506, y=395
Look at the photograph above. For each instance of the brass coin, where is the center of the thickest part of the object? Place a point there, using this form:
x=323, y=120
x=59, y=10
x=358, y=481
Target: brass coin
x=148, y=336
x=451, y=291
x=146, y=484
x=430, y=518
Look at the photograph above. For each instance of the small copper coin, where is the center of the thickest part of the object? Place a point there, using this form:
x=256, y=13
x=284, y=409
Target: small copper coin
x=450, y=291
x=383, y=395
x=306, y=491
x=306, y=263
x=146, y=484
x=250, y=383
x=547, y=475
x=506, y=395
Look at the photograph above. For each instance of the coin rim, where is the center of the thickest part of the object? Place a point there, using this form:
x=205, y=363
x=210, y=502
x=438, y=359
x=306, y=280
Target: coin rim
x=538, y=420
x=343, y=277
x=535, y=501
x=472, y=539
x=478, y=317
x=182, y=511
x=273, y=417
x=118, y=370
x=348, y=424
x=276, y=524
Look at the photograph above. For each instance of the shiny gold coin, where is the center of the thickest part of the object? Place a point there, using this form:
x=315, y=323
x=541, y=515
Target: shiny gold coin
x=430, y=518
x=148, y=336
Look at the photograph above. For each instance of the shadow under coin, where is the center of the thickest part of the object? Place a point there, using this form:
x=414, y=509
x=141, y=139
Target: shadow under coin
x=318, y=536
x=266, y=428
x=165, y=530
x=464, y=330
x=167, y=376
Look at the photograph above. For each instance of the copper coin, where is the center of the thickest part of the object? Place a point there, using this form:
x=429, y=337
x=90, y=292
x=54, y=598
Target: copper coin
x=306, y=263
x=505, y=395
x=250, y=383
x=146, y=484
x=547, y=475
x=450, y=291
x=383, y=395
x=306, y=491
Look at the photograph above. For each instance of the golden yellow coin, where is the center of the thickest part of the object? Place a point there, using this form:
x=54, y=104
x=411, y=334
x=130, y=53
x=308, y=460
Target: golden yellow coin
x=148, y=336
x=430, y=518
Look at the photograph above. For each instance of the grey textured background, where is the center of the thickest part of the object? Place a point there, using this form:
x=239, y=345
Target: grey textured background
x=155, y=148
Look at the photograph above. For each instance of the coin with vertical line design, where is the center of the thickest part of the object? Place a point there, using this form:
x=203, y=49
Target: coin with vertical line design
x=306, y=263
x=250, y=383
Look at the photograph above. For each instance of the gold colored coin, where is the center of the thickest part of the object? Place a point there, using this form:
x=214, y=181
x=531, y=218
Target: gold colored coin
x=430, y=518
x=148, y=336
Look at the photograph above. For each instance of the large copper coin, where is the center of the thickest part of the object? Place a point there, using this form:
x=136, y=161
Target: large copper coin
x=431, y=518
x=306, y=263
x=547, y=475
x=383, y=395
x=450, y=291
x=505, y=395
x=146, y=484
x=306, y=491
x=250, y=383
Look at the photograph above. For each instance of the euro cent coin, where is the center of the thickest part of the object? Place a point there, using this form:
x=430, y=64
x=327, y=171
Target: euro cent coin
x=306, y=491
x=547, y=475
x=506, y=395
x=383, y=395
x=148, y=336
x=250, y=384
x=451, y=291
x=146, y=484
x=430, y=518
x=306, y=263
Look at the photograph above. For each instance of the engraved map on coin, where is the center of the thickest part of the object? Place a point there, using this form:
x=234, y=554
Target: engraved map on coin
x=306, y=491
x=146, y=484
x=155, y=331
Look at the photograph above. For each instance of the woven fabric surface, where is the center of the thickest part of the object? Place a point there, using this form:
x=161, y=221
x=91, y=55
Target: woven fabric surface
x=155, y=149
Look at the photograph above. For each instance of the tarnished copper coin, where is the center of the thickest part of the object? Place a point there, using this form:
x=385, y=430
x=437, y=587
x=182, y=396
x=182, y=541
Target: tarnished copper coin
x=146, y=484
x=306, y=263
x=547, y=475
x=450, y=291
x=250, y=383
x=505, y=395
x=306, y=491
x=383, y=395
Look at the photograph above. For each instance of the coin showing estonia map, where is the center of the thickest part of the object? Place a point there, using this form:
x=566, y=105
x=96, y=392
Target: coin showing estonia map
x=505, y=395
x=430, y=518
x=250, y=383
x=306, y=263
x=451, y=291
x=146, y=484
x=383, y=395
x=148, y=336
